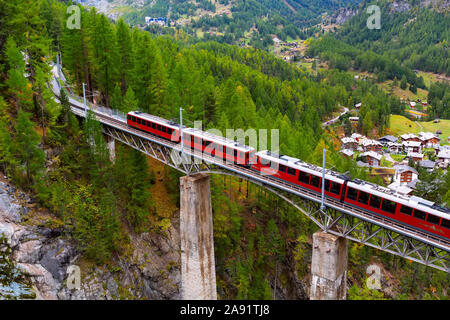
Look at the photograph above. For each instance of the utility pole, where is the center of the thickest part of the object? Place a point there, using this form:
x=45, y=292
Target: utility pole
x=84, y=98
x=322, y=206
x=181, y=128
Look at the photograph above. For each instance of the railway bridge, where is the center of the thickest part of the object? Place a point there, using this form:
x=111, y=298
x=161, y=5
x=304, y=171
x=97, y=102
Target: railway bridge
x=337, y=221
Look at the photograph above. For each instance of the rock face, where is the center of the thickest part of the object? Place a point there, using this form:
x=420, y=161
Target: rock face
x=150, y=271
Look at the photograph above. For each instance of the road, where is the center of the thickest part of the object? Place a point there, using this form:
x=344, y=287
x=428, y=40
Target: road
x=327, y=123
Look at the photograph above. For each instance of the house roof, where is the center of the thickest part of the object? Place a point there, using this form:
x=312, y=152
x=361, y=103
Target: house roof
x=389, y=138
x=347, y=152
x=407, y=136
x=444, y=154
x=412, y=143
x=415, y=155
x=427, y=164
x=370, y=142
x=348, y=140
x=424, y=136
x=372, y=154
x=401, y=168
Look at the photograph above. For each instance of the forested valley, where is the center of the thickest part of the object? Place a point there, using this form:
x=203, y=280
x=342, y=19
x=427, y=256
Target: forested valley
x=259, y=239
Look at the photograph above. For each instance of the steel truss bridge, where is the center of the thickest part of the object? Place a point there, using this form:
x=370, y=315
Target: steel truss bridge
x=337, y=218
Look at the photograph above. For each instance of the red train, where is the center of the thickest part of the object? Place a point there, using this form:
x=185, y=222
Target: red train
x=413, y=211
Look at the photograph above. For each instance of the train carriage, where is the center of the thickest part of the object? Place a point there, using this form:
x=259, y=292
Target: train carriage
x=155, y=125
x=299, y=172
x=415, y=212
x=217, y=146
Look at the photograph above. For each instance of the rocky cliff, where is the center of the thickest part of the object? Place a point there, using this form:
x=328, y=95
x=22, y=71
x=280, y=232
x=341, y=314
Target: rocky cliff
x=38, y=255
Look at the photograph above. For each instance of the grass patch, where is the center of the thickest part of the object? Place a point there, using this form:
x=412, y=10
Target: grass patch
x=401, y=125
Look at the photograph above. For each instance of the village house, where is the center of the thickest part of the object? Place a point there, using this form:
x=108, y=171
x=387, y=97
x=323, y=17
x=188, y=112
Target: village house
x=405, y=174
x=427, y=164
x=349, y=143
x=444, y=156
x=347, y=153
x=371, y=145
x=372, y=158
x=357, y=137
x=409, y=137
x=387, y=139
x=415, y=156
x=429, y=139
x=395, y=147
x=410, y=146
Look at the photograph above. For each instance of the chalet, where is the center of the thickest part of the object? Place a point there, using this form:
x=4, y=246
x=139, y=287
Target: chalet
x=353, y=119
x=372, y=158
x=386, y=139
x=371, y=145
x=357, y=136
x=429, y=139
x=347, y=153
x=444, y=156
x=358, y=105
x=349, y=143
x=409, y=137
x=395, y=147
x=415, y=156
x=427, y=164
x=410, y=146
x=404, y=174
x=412, y=104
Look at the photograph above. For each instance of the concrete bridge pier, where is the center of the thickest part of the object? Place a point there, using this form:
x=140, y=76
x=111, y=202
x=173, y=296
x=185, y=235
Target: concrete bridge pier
x=328, y=267
x=111, y=143
x=198, y=271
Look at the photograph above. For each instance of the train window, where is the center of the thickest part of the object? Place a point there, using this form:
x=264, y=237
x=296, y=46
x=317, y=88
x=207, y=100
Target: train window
x=363, y=197
x=419, y=214
x=282, y=167
x=153, y=125
x=433, y=219
x=129, y=117
x=352, y=194
x=303, y=177
x=315, y=181
x=144, y=123
x=158, y=127
x=388, y=206
x=375, y=202
x=335, y=188
x=138, y=121
x=291, y=171
x=327, y=185
x=169, y=131
x=406, y=210
x=235, y=153
x=445, y=223
x=164, y=129
x=134, y=119
x=149, y=124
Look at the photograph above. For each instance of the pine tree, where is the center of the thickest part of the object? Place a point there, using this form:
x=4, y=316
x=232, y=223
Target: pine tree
x=27, y=146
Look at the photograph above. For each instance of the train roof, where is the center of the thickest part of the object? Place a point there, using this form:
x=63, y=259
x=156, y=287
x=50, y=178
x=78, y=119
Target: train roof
x=218, y=139
x=158, y=120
